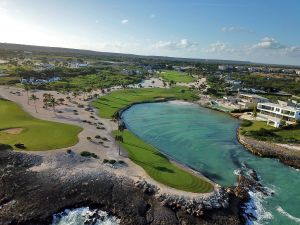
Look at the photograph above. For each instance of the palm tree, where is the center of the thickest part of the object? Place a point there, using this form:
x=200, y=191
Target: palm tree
x=27, y=88
x=254, y=113
x=34, y=98
x=53, y=103
x=119, y=138
x=46, y=99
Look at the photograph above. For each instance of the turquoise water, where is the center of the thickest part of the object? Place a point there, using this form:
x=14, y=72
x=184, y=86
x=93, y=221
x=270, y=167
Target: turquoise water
x=206, y=141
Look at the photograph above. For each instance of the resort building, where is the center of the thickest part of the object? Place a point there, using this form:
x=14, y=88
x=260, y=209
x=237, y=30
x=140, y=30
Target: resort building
x=278, y=114
x=249, y=101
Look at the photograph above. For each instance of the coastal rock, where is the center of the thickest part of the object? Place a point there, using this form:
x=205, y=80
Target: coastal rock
x=32, y=196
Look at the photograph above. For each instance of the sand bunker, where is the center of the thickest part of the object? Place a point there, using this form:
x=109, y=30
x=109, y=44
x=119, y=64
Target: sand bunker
x=17, y=130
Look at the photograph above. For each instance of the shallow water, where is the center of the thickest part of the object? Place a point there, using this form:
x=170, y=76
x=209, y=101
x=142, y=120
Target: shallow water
x=206, y=141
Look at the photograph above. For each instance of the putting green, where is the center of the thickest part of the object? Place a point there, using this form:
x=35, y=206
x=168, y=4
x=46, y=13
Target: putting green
x=17, y=126
x=109, y=104
x=159, y=167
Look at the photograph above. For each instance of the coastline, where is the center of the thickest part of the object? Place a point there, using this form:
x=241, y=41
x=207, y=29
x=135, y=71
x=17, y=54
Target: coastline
x=36, y=196
x=79, y=177
x=287, y=156
x=265, y=149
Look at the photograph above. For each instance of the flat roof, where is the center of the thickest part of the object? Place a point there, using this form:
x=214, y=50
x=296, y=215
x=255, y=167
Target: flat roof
x=280, y=106
x=252, y=95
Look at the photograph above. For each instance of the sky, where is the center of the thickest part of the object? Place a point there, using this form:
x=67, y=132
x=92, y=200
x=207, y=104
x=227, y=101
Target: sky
x=265, y=31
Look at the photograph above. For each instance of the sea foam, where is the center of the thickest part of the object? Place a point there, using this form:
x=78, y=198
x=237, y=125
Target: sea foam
x=280, y=210
x=83, y=215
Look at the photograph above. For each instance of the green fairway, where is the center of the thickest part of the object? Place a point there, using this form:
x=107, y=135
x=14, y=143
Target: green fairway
x=113, y=102
x=159, y=167
x=16, y=126
x=176, y=76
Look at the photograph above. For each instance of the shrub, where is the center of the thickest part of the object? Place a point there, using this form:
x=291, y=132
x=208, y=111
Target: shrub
x=98, y=136
x=89, y=138
x=5, y=147
x=20, y=145
x=88, y=154
x=105, y=160
x=246, y=123
x=112, y=161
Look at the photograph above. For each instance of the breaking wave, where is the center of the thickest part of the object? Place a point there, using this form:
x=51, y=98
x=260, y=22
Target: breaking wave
x=82, y=216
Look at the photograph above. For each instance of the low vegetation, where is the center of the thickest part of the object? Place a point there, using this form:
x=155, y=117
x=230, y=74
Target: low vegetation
x=261, y=131
x=88, y=154
x=110, y=104
x=17, y=128
x=159, y=167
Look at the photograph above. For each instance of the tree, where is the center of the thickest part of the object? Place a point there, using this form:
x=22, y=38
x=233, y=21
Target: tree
x=46, y=99
x=34, y=98
x=53, y=103
x=27, y=88
x=119, y=138
x=254, y=113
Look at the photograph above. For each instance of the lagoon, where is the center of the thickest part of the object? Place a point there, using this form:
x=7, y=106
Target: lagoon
x=206, y=141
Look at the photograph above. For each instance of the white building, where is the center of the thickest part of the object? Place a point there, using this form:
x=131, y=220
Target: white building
x=298, y=72
x=275, y=114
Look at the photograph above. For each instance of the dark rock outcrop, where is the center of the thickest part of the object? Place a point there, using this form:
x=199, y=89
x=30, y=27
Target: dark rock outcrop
x=28, y=197
x=270, y=150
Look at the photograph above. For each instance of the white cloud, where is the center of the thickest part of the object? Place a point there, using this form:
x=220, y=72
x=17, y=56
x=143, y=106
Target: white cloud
x=219, y=47
x=176, y=45
x=152, y=16
x=236, y=29
x=294, y=51
x=125, y=21
x=269, y=43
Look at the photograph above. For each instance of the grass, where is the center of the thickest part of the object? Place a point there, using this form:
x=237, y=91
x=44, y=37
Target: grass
x=159, y=167
x=261, y=131
x=176, y=76
x=113, y=102
x=35, y=134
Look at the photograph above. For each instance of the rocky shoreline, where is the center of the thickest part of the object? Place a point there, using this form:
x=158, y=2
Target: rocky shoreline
x=265, y=149
x=31, y=197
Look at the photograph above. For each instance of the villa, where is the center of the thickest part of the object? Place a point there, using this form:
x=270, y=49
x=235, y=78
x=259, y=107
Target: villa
x=278, y=114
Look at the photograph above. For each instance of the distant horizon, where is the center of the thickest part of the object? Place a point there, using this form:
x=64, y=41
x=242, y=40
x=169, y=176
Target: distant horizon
x=256, y=31
x=164, y=56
